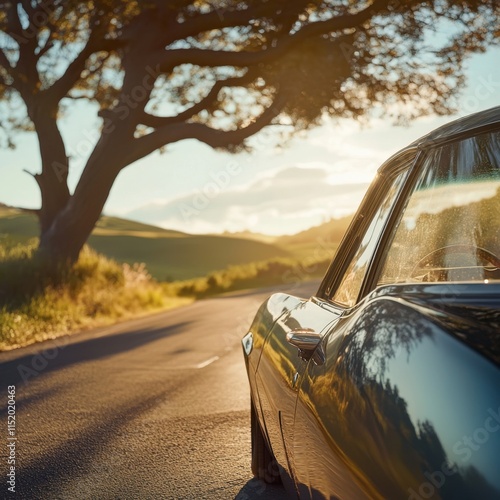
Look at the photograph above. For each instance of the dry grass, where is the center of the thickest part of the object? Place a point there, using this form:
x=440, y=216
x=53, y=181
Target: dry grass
x=35, y=306
x=254, y=275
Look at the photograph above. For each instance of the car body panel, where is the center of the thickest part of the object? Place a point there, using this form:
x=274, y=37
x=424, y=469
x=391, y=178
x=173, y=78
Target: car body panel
x=369, y=422
x=279, y=374
x=269, y=312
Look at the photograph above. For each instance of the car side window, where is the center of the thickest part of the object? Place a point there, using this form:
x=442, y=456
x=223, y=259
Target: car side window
x=450, y=227
x=348, y=290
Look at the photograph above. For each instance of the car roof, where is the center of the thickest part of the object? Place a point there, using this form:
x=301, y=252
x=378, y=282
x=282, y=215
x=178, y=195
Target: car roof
x=460, y=126
x=463, y=125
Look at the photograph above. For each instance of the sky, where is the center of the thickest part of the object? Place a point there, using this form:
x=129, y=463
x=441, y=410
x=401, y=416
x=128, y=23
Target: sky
x=273, y=190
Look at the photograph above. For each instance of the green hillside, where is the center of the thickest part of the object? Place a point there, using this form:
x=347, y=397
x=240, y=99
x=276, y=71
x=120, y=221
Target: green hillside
x=183, y=257
x=320, y=241
x=249, y=235
x=16, y=224
x=168, y=255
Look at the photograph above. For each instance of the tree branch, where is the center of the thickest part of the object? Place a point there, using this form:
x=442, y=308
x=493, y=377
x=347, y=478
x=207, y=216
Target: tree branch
x=223, y=18
x=79, y=97
x=25, y=73
x=72, y=74
x=159, y=121
x=13, y=23
x=4, y=62
x=171, y=133
x=49, y=43
x=165, y=61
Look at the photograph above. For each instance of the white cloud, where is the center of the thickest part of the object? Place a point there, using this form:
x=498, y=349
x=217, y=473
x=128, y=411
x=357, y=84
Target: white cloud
x=283, y=201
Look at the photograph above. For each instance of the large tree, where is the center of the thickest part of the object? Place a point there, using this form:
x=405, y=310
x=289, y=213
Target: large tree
x=217, y=71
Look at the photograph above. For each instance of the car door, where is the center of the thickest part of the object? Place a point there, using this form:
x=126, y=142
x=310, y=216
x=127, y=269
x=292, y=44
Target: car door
x=280, y=371
x=314, y=464
x=401, y=408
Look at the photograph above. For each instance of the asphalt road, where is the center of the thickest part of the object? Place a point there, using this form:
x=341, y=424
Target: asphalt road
x=154, y=408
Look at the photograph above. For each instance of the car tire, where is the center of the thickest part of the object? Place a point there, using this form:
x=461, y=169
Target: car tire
x=264, y=465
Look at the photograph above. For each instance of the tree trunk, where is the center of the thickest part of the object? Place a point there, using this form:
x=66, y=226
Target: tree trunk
x=68, y=220
x=62, y=242
x=54, y=176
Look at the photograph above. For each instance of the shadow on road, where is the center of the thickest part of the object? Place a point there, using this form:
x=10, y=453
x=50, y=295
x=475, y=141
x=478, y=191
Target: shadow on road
x=256, y=489
x=45, y=361
x=43, y=477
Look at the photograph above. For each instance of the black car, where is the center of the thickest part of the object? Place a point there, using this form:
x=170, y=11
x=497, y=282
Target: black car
x=386, y=383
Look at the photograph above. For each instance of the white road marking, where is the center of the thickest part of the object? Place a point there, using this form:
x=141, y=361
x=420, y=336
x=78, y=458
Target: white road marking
x=207, y=362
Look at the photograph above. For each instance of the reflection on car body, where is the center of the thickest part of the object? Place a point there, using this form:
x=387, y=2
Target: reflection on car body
x=385, y=384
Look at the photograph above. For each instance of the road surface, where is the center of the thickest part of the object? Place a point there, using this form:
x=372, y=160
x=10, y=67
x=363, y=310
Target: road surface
x=154, y=408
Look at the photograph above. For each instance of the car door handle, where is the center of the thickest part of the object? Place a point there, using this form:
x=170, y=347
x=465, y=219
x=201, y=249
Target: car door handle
x=307, y=341
x=304, y=339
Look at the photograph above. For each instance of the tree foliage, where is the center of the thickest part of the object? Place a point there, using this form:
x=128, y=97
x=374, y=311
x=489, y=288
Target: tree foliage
x=218, y=71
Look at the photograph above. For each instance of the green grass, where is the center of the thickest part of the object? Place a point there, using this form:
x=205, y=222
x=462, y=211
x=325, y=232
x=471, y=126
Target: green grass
x=17, y=225
x=174, y=255
x=169, y=259
x=168, y=255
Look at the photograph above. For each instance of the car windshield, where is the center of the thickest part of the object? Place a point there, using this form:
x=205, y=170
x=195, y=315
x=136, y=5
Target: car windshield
x=450, y=228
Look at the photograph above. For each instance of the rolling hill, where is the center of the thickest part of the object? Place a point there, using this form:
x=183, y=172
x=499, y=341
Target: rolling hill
x=168, y=255
x=175, y=255
x=318, y=240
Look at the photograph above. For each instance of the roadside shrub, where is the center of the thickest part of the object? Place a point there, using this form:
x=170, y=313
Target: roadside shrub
x=255, y=274
x=36, y=305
